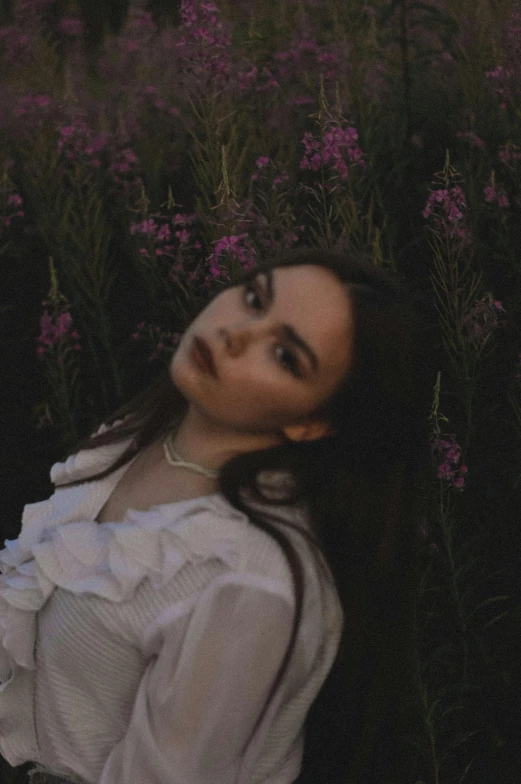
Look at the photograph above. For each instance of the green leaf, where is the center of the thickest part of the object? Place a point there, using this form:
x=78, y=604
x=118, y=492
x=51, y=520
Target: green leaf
x=467, y=769
x=485, y=603
x=495, y=619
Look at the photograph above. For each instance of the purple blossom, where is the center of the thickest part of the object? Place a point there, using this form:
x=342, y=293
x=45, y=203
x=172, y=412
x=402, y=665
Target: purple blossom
x=125, y=168
x=79, y=142
x=423, y=529
x=449, y=453
x=446, y=209
x=236, y=247
x=329, y=151
x=509, y=154
x=14, y=201
x=472, y=138
x=163, y=233
x=183, y=236
x=25, y=104
x=184, y=220
x=71, y=26
x=205, y=46
x=493, y=195
x=57, y=336
x=505, y=80
x=148, y=227
x=161, y=342
x=484, y=318
x=287, y=66
x=163, y=242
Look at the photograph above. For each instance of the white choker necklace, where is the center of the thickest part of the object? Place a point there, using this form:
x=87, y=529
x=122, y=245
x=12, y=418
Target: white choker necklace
x=177, y=461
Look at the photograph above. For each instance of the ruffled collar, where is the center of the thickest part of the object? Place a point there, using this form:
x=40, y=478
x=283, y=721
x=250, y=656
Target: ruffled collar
x=61, y=545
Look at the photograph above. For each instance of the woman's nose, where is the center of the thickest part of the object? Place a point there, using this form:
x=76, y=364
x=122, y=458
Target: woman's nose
x=238, y=336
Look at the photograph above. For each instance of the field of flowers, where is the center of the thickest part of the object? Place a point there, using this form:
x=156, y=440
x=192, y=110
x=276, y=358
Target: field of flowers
x=133, y=184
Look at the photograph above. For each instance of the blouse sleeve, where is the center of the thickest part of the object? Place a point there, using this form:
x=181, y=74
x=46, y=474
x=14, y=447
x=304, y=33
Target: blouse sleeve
x=199, y=699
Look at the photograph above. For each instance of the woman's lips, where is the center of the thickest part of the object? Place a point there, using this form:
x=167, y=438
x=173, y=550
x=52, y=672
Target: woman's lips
x=202, y=355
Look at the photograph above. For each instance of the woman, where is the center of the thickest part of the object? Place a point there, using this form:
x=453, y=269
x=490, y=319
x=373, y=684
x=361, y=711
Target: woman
x=223, y=574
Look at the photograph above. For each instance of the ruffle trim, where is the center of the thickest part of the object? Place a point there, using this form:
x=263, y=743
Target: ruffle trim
x=61, y=545
x=87, y=462
x=108, y=560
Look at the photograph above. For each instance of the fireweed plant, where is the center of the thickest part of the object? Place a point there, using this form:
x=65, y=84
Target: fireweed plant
x=192, y=153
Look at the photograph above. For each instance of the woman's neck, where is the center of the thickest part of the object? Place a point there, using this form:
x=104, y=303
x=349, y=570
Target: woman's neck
x=199, y=441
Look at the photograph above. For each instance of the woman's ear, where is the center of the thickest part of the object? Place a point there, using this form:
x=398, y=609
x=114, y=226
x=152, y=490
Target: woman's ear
x=309, y=431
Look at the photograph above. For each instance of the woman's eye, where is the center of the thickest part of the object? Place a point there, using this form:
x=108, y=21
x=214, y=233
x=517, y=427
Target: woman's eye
x=286, y=358
x=291, y=362
x=250, y=301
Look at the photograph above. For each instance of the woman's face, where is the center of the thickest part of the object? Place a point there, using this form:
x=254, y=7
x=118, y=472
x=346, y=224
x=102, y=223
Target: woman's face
x=280, y=349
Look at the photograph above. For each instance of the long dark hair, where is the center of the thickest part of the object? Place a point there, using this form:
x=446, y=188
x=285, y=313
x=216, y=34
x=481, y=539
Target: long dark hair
x=362, y=489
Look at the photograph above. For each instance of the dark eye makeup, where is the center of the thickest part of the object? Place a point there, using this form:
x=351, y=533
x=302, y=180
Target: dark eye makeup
x=290, y=362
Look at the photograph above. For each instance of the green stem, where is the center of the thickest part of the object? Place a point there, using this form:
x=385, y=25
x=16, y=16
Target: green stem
x=94, y=355
x=427, y=720
x=59, y=387
x=108, y=345
x=324, y=204
x=447, y=531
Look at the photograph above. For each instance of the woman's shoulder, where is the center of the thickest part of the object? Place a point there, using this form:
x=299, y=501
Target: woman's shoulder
x=86, y=462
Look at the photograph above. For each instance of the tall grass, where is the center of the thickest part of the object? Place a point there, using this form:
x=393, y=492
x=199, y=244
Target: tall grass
x=189, y=152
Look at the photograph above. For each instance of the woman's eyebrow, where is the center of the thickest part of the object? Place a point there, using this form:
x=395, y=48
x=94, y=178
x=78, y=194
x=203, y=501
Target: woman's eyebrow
x=288, y=332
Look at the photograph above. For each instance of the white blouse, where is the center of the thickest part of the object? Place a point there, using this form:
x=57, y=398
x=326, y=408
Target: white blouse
x=144, y=650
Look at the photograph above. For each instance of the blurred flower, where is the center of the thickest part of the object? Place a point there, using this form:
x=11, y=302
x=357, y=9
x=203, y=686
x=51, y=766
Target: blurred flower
x=509, y=153
x=78, y=142
x=71, y=26
x=205, y=46
x=337, y=143
x=163, y=242
x=483, y=320
x=161, y=342
x=495, y=196
x=148, y=227
x=10, y=209
x=446, y=207
x=449, y=453
x=472, y=138
x=26, y=104
x=57, y=337
x=505, y=80
x=423, y=528
x=236, y=247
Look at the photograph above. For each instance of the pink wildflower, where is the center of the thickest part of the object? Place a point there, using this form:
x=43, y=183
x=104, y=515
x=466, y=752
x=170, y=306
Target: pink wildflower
x=183, y=236
x=164, y=233
x=56, y=335
x=509, y=153
x=446, y=207
x=495, y=196
x=449, y=452
x=236, y=247
x=472, y=138
x=329, y=150
x=71, y=26
x=484, y=318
